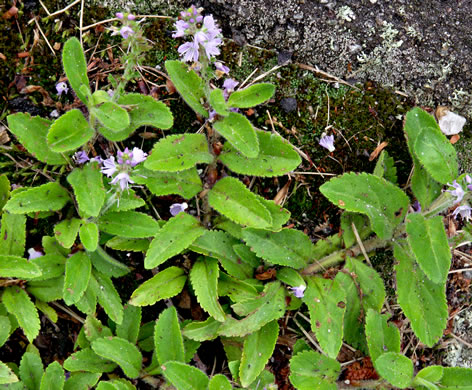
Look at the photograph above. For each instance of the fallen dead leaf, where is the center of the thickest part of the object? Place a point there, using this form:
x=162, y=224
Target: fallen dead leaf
x=13, y=11
x=455, y=138
x=377, y=150
x=47, y=101
x=281, y=195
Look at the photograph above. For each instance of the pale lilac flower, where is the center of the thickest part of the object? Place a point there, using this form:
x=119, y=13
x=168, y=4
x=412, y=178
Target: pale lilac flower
x=417, y=207
x=54, y=114
x=458, y=192
x=61, y=87
x=221, y=67
x=34, y=254
x=181, y=26
x=111, y=92
x=138, y=156
x=131, y=17
x=123, y=178
x=124, y=157
x=177, y=208
x=98, y=159
x=109, y=166
x=464, y=212
x=80, y=157
x=210, y=25
x=299, y=291
x=327, y=142
x=126, y=31
x=189, y=50
x=211, y=46
x=119, y=15
x=468, y=179
x=229, y=85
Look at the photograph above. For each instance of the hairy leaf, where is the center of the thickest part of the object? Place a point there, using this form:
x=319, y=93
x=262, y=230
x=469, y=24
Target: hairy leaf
x=112, y=116
x=360, y=221
x=78, y=270
x=218, y=102
x=47, y=290
x=75, y=66
x=251, y=96
x=81, y=381
x=202, y=330
x=88, y=234
x=381, y=336
x=18, y=267
x=106, y=264
x=87, y=360
x=128, y=244
x=51, y=266
x=129, y=328
x=456, y=378
x=219, y=382
x=12, y=235
x=424, y=187
x=168, y=340
x=7, y=375
x=18, y=303
x=395, y=368
x=66, y=231
x=184, y=377
x=108, y=297
x=303, y=375
x=130, y=224
x=31, y=370
x=69, y=132
x=94, y=329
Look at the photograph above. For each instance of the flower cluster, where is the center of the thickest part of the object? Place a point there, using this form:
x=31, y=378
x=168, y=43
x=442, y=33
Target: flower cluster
x=128, y=22
x=464, y=211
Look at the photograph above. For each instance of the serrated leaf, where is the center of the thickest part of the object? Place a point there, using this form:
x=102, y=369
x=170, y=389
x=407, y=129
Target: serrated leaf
x=125, y=201
x=184, y=377
x=235, y=288
x=204, y=278
x=381, y=336
x=128, y=244
x=120, y=351
x=78, y=270
x=47, y=290
x=290, y=276
x=66, y=231
x=18, y=303
x=106, y=264
x=456, y=378
x=165, y=284
x=12, y=235
x=47, y=197
x=88, y=302
x=218, y=102
x=129, y=328
x=75, y=67
x=112, y=116
x=87, y=360
x=69, y=132
x=4, y=190
x=269, y=306
x=81, y=381
x=175, y=236
x=94, y=329
x=423, y=302
x=385, y=167
x=108, y=297
x=53, y=378
x=326, y=301
x=384, y=203
x=395, y=368
x=279, y=215
x=276, y=157
x=219, y=382
x=185, y=183
x=5, y=328
x=89, y=191
x=234, y=200
x=202, y=330
x=7, y=375
x=178, y=152
x=304, y=376
x=424, y=187
x=47, y=310
x=88, y=234
x=238, y=131
x=130, y=224
x=32, y=133
x=258, y=348
x=278, y=248
x=18, y=267
x=428, y=377
x=360, y=221
x=31, y=370
x=428, y=241
x=189, y=85
x=370, y=283
x=168, y=340
x=220, y=245
x=251, y=96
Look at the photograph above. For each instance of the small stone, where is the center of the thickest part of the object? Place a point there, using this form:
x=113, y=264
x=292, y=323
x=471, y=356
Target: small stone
x=288, y=104
x=284, y=57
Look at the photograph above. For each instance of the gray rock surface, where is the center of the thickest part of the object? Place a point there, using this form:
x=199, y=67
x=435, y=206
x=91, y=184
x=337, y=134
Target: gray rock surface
x=458, y=354
x=422, y=48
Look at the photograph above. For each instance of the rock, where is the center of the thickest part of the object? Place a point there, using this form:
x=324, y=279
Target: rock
x=288, y=104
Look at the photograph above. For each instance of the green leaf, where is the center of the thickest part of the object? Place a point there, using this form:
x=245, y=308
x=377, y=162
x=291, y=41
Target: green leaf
x=311, y=370
x=385, y=167
x=129, y=328
x=75, y=67
x=183, y=376
x=218, y=102
x=12, y=235
x=269, y=306
x=423, y=302
x=428, y=377
x=112, y=116
x=47, y=310
x=66, y=231
x=18, y=303
x=130, y=224
x=276, y=157
x=81, y=381
x=47, y=197
x=31, y=370
x=236, y=289
x=360, y=221
x=106, y=264
x=202, y=330
x=53, y=378
x=279, y=215
x=88, y=303
x=175, y=236
x=219, y=382
x=238, y=131
x=89, y=191
x=290, y=276
x=234, y=200
x=7, y=375
x=278, y=248
x=88, y=233
x=220, y=245
x=94, y=329
x=165, y=284
x=167, y=337
x=251, y=96
x=384, y=203
x=47, y=290
x=18, y=267
x=428, y=241
x=456, y=378
x=178, y=152
x=78, y=271
x=370, y=283
x=128, y=244
x=4, y=190
x=258, y=348
x=245, y=255
x=69, y=132
x=424, y=187
x=204, y=278
x=87, y=360
x=124, y=201
x=120, y=351
x=326, y=301
x=32, y=133
x=5, y=330
x=108, y=297
x=395, y=368
x=381, y=336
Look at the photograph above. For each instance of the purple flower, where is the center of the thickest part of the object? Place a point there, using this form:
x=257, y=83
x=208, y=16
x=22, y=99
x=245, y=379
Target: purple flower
x=98, y=159
x=458, y=192
x=126, y=31
x=468, y=179
x=211, y=46
x=299, y=291
x=138, y=156
x=177, y=208
x=123, y=178
x=417, y=207
x=109, y=166
x=61, y=87
x=181, y=26
x=131, y=17
x=80, y=157
x=229, y=85
x=221, y=67
x=210, y=25
x=464, y=212
x=34, y=254
x=189, y=50
x=119, y=15
x=327, y=142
